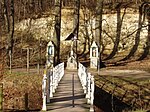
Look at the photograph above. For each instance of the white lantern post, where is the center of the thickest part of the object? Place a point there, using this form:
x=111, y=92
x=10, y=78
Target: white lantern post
x=44, y=92
x=94, y=55
x=50, y=54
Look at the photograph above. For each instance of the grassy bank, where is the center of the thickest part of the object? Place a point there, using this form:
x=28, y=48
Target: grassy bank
x=19, y=84
x=132, y=92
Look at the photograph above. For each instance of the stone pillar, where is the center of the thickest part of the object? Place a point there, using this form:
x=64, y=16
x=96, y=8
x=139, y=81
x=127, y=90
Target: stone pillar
x=94, y=55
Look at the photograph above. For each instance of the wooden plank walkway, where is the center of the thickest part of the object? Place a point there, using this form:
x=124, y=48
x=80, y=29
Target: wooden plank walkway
x=62, y=100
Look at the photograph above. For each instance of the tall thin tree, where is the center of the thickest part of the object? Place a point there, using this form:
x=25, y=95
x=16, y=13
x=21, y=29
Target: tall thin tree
x=147, y=45
x=98, y=30
x=57, y=28
x=76, y=23
x=9, y=18
x=118, y=31
x=137, y=37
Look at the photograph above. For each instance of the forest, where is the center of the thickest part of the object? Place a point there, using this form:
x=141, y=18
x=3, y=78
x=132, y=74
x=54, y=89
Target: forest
x=120, y=28
x=111, y=39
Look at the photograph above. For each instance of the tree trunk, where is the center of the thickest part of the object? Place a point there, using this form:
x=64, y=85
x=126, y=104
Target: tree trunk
x=57, y=30
x=9, y=17
x=147, y=47
x=118, y=33
x=76, y=24
x=98, y=30
x=85, y=33
x=137, y=37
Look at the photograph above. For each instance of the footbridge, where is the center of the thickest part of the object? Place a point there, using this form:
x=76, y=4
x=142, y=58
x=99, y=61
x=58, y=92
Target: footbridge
x=70, y=90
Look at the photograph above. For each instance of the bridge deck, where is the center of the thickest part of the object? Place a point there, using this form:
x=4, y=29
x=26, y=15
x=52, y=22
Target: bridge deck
x=62, y=100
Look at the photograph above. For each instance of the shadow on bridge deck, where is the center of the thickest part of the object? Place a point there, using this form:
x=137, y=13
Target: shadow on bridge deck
x=63, y=97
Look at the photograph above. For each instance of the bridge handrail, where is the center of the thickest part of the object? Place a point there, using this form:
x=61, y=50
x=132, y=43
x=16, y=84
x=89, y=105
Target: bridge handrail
x=57, y=74
x=87, y=82
x=53, y=76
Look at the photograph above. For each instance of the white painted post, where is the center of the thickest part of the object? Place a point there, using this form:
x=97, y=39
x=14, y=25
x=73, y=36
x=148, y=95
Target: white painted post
x=92, y=94
x=84, y=81
x=89, y=89
x=82, y=75
x=63, y=69
x=58, y=73
x=28, y=51
x=57, y=76
x=53, y=81
x=44, y=92
x=48, y=87
x=79, y=72
x=94, y=55
x=51, y=86
x=54, y=85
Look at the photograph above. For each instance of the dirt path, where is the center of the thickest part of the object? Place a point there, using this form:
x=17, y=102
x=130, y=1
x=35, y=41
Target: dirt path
x=135, y=74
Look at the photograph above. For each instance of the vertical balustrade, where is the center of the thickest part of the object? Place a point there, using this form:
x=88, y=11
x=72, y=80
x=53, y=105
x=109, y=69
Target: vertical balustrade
x=55, y=75
x=88, y=88
x=53, y=80
x=84, y=77
x=87, y=82
x=51, y=84
x=44, y=91
x=92, y=94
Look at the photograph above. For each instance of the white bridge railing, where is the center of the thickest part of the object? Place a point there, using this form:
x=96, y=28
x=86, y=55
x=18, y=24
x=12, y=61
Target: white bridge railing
x=53, y=76
x=87, y=82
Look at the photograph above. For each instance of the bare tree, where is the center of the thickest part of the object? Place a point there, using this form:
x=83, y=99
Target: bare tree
x=147, y=45
x=57, y=28
x=85, y=31
x=137, y=37
x=98, y=30
x=76, y=23
x=9, y=17
x=118, y=31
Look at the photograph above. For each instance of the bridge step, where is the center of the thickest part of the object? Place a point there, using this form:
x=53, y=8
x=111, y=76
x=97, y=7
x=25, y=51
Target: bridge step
x=63, y=98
